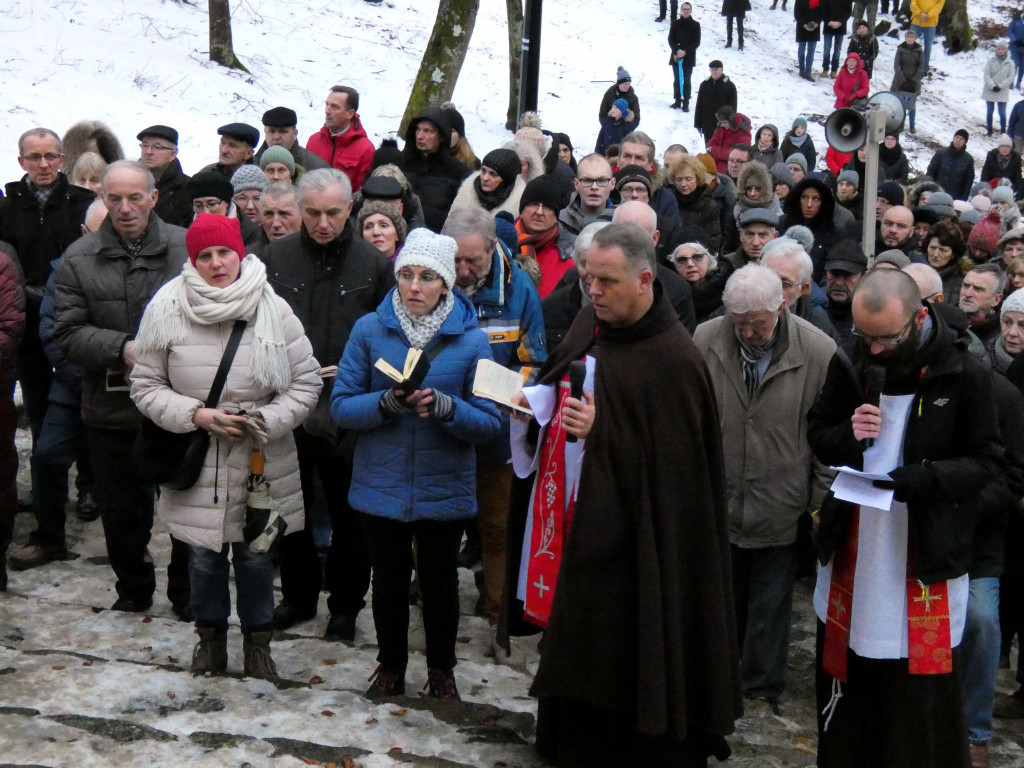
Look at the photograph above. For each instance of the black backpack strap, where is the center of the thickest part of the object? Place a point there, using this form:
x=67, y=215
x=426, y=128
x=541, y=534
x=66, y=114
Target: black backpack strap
x=225, y=363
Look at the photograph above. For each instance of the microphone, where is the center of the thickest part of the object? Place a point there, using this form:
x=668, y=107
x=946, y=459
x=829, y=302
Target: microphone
x=876, y=383
x=577, y=373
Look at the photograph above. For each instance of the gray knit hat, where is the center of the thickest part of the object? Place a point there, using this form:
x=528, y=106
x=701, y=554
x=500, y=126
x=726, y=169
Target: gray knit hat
x=249, y=177
x=802, y=235
x=1001, y=195
x=893, y=256
x=622, y=76
x=277, y=155
x=851, y=176
x=425, y=249
x=1012, y=303
x=797, y=159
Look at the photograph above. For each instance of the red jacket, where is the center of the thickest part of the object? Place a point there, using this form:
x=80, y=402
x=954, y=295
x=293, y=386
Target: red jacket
x=848, y=87
x=350, y=152
x=724, y=139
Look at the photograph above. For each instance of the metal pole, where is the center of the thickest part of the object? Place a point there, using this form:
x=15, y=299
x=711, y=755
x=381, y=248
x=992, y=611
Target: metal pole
x=875, y=133
x=529, y=77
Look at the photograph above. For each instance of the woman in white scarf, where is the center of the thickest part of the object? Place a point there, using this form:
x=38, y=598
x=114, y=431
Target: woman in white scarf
x=272, y=385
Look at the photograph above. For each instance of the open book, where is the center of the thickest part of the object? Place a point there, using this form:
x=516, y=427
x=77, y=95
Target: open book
x=411, y=377
x=499, y=384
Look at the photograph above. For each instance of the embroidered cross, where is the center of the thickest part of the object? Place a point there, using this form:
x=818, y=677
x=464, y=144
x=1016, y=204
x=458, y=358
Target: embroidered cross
x=541, y=587
x=926, y=598
x=839, y=606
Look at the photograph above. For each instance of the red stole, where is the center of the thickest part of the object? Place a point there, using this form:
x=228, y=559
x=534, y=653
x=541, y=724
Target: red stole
x=551, y=517
x=929, y=636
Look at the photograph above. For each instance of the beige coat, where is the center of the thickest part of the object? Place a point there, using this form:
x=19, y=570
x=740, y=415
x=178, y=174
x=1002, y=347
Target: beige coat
x=169, y=386
x=770, y=472
x=466, y=198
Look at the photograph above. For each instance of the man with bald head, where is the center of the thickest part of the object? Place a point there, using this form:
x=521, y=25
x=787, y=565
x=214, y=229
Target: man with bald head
x=103, y=287
x=928, y=280
x=896, y=230
x=677, y=290
x=891, y=597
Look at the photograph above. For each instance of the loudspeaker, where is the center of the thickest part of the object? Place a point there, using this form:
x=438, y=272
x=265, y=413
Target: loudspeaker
x=846, y=130
x=895, y=106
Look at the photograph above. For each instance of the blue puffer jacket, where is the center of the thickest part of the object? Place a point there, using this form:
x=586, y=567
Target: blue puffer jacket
x=407, y=468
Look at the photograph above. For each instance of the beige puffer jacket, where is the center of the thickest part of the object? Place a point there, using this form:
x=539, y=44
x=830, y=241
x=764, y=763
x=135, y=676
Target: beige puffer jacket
x=169, y=386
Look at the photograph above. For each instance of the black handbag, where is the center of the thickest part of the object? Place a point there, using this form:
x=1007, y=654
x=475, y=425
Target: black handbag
x=175, y=459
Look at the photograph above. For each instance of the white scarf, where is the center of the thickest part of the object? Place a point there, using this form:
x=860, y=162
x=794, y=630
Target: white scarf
x=420, y=329
x=189, y=299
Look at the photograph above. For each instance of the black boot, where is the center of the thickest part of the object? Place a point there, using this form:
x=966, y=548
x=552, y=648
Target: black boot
x=210, y=656
x=775, y=4
x=8, y=509
x=256, y=651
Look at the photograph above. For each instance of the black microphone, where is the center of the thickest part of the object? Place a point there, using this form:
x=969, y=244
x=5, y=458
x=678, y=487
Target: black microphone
x=876, y=383
x=577, y=374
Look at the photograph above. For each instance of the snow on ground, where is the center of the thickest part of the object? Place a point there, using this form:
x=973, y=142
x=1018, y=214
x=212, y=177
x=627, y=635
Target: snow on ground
x=83, y=686
x=133, y=64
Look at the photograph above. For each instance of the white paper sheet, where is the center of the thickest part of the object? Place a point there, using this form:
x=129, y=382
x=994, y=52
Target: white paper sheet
x=857, y=487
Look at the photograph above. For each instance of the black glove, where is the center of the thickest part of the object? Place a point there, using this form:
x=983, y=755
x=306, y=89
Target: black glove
x=391, y=404
x=995, y=89
x=914, y=482
x=443, y=407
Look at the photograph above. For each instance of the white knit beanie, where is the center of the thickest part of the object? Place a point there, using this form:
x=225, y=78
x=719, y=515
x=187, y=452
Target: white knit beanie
x=1012, y=303
x=425, y=249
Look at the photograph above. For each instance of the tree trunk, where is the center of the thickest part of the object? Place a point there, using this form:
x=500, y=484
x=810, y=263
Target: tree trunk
x=221, y=49
x=443, y=57
x=515, y=60
x=954, y=23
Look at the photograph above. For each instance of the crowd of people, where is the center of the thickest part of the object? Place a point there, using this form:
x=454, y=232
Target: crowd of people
x=318, y=316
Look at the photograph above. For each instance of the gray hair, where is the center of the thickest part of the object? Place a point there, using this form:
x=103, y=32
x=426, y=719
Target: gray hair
x=466, y=222
x=991, y=268
x=133, y=165
x=41, y=133
x=752, y=288
x=636, y=245
x=279, y=190
x=926, y=277
x=392, y=171
x=638, y=137
x=712, y=259
x=321, y=180
x=789, y=249
x=586, y=237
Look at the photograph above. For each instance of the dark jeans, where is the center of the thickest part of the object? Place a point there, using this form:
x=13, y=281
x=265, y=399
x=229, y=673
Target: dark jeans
x=834, y=45
x=681, y=91
x=437, y=551
x=126, y=510
x=674, y=5
x=211, y=596
x=61, y=443
x=763, y=591
x=728, y=29
x=347, y=571
x=1001, y=106
x=34, y=375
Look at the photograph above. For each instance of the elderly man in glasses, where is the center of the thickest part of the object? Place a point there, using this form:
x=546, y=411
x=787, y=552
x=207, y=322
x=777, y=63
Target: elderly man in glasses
x=904, y=399
x=158, y=151
x=766, y=366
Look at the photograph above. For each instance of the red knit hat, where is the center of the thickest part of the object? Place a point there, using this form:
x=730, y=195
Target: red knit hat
x=985, y=234
x=211, y=229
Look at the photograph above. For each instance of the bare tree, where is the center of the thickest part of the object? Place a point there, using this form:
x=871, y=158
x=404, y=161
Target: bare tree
x=515, y=60
x=443, y=57
x=221, y=49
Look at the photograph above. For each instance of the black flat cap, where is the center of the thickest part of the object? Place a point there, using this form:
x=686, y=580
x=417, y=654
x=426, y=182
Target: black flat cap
x=381, y=188
x=209, y=184
x=161, y=132
x=280, y=117
x=242, y=132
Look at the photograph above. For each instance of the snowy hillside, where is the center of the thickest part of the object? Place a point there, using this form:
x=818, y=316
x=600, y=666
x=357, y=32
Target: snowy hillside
x=141, y=62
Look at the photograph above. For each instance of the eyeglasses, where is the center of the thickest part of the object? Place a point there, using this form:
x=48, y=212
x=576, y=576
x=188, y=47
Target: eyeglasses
x=425, y=277
x=733, y=161
x=205, y=205
x=145, y=146
x=540, y=205
x=50, y=157
x=786, y=285
x=886, y=341
x=697, y=258
x=602, y=182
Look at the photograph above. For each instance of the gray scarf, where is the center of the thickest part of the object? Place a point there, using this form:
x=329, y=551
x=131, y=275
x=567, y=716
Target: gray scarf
x=419, y=330
x=755, y=360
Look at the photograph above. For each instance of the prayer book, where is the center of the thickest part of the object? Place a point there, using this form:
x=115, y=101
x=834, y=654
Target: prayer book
x=499, y=384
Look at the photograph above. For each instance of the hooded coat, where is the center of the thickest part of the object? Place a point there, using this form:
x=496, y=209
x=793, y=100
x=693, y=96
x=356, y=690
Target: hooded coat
x=850, y=86
x=769, y=156
x=822, y=226
x=893, y=164
x=436, y=176
x=755, y=174
x=726, y=137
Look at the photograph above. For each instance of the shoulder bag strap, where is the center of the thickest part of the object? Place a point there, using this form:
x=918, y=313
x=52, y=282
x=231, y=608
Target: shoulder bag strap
x=225, y=363
x=438, y=348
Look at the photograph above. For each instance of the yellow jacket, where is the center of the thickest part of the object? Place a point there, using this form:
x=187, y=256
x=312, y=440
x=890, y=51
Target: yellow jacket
x=931, y=7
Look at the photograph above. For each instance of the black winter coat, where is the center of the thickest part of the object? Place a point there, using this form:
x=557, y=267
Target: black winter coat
x=173, y=203
x=953, y=170
x=436, y=177
x=712, y=96
x=40, y=236
x=836, y=10
x=993, y=170
x=806, y=149
x=951, y=429
x=684, y=35
x=806, y=16
x=866, y=48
